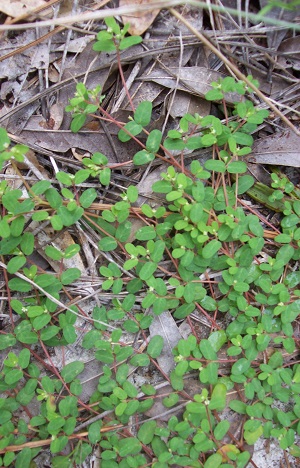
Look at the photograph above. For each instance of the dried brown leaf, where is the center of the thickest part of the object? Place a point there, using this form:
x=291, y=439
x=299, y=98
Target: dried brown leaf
x=279, y=149
x=140, y=21
x=16, y=8
x=291, y=49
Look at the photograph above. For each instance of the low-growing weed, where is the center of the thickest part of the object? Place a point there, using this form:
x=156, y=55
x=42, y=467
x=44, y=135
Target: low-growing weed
x=201, y=250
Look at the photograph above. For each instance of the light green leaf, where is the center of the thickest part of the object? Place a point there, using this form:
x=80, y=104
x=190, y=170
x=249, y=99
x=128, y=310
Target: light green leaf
x=70, y=275
x=15, y=264
x=107, y=244
x=143, y=157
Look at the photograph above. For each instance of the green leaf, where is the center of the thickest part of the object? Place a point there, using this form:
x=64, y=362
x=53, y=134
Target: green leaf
x=5, y=416
x=40, y=187
x=294, y=450
x=4, y=228
x=207, y=350
x=104, y=176
x=214, y=95
x=171, y=400
x=58, y=444
x=238, y=406
x=23, y=459
x=146, y=432
x=71, y=370
x=69, y=217
x=13, y=376
x=153, y=141
x=132, y=129
x=215, y=165
x=111, y=25
x=143, y=157
x=217, y=339
x=81, y=176
x=276, y=360
x=129, y=446
x=53, y=198
x=214, y=461
x=148, y=389
x=87, y=197
x=237, y=167
x=142, y=115
x=252, y=437
x=242, y=138
x=106, y=244
x=94, y=433
x=155, y=346
x=221, y=429
x=240, y=367
x=40, y=322
x=6, y=341
x=24, y=358
x=184, y=310
x=55, y=425
x=176, y=381
x=105, y=45
x=78, y=122
x=15, y=264
x=132, y=193
x=218, y=397
x=71, y=250
x=208, y=139
x=4, y=140
x=49, y=332
x=18, y=284
x=17, y=226
x=70, y=275
x=140, y=360
x=129, y=42
x=145, y=233
x=211, y=248
x=53, y=253
x=147, y=270
x=69, y=334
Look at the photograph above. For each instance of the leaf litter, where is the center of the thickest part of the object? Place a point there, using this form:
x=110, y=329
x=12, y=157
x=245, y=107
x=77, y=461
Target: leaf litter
x=164, y=68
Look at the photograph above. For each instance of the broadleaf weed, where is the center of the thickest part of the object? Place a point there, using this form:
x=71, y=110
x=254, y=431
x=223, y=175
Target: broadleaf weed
x=200, y=231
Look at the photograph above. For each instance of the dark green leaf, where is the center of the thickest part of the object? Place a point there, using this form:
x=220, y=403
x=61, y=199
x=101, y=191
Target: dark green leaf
x=71, y=370
x=94, y=434
x=210, y=249
x=142, y=115
x=241, y=366
x=155, y=346
x=147, y=270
